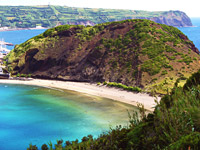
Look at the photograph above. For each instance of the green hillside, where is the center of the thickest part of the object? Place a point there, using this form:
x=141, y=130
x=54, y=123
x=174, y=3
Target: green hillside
x=132, y=52
x=50, y=16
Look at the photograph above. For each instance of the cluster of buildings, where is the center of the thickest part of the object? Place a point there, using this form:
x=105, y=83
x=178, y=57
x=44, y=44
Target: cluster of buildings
x=3, y=52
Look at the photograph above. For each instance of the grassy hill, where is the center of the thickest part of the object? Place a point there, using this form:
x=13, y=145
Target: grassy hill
x=50, y=16
x=132, y=52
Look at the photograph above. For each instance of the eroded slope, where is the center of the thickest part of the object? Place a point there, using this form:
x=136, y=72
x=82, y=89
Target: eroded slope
x=133, y=52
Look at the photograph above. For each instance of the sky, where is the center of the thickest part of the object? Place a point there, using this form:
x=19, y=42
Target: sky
x=190, y=7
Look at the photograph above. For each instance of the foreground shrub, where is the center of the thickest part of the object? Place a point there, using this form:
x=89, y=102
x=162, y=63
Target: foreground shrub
x=191, y=141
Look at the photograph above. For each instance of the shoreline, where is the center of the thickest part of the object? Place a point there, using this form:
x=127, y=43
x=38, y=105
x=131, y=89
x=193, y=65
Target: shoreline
x=92, y=89
x=16, y=29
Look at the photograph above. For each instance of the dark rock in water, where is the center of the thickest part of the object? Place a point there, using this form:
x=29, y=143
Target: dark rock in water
x=4, y=76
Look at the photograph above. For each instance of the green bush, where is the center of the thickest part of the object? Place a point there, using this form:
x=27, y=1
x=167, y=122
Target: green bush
x=99, y=83
x=23, y=75
x=49, y=32
x=151, y=66
x=37, y=38
x=122, y=86
x=62, y=28
x=164, y=72
x=194, y=58
x=191, y=141
x=18, y=75
x=104, y=83
x=194, y=80
x=44, y=147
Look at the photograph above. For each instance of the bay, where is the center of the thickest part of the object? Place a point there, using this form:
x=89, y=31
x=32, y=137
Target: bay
x=31, y=114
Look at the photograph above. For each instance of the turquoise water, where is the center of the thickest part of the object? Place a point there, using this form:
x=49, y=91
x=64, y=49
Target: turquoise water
x=37, y=115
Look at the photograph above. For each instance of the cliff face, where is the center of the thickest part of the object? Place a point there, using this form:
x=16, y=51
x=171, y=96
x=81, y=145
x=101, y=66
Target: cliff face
x=132, y=52
x=173, y=18
x=170, y=18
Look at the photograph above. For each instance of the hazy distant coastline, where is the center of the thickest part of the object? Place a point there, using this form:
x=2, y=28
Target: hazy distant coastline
x=51, y=16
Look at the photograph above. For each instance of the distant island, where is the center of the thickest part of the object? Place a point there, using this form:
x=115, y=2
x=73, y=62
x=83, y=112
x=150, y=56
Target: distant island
x=14, y=17
x=138, y=53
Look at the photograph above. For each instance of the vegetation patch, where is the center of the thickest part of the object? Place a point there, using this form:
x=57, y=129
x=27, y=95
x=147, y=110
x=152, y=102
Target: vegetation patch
x=122, y=86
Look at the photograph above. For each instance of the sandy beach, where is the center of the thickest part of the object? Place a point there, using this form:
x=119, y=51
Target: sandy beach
x=93, y=89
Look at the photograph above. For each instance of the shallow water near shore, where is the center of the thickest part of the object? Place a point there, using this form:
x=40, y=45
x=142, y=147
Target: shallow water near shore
x=31, y=114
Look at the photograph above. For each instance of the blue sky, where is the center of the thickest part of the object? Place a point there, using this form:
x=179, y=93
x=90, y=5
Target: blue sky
x=190, y=7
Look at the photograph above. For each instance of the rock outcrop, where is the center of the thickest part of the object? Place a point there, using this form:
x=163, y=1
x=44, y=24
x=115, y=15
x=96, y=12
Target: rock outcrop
x=133, y=52
x=173, y=18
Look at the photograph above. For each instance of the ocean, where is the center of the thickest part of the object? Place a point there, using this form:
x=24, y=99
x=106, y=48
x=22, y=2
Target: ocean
x=193, y=33
x=19, y=36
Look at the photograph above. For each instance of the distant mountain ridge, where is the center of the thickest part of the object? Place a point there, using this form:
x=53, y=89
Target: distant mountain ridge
x=50, y=16
x=136, y=52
